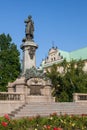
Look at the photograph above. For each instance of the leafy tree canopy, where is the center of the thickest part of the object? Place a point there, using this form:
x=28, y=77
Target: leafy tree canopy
x=71, y=79
x=9, y=61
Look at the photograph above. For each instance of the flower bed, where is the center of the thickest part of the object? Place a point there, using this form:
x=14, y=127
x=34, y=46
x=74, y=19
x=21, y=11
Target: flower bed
x=53, y=122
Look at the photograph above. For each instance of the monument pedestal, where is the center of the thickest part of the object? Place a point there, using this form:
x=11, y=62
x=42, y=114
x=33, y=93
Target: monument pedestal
x=29, y=57
x=32, y=83
x=34, y=89
x=33, y=98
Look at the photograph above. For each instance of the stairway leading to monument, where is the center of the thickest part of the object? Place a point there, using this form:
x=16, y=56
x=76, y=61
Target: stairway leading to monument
x=45, y=109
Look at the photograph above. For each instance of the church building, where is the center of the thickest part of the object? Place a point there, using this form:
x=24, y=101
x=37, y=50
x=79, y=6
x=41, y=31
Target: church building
x=56, y=56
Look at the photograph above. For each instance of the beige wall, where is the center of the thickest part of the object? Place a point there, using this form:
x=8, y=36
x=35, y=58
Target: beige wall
x=8, y=106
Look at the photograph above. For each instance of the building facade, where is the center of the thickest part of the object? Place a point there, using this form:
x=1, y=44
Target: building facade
x=56, y=56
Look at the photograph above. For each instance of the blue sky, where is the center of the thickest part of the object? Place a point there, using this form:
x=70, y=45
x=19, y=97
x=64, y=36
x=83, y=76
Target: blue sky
x=62, y=22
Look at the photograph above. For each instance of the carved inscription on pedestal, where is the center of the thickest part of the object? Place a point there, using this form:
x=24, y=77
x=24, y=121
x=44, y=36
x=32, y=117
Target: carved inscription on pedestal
x=35, y=85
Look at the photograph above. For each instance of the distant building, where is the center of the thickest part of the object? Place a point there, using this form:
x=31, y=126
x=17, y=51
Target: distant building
x=56, y=56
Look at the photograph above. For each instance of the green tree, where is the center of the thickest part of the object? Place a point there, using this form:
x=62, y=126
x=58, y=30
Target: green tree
x=75, y=79
x=56, y=79
x=72, y=79
x=9, y=61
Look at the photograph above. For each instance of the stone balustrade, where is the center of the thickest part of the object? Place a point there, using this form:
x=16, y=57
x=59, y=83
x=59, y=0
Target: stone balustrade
x=12, y=96
x=80, y=97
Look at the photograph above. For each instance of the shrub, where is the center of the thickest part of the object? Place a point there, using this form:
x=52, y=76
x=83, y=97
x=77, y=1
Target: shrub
x=52, y=122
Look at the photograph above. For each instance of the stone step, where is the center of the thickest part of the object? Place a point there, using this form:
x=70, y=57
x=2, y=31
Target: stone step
x=46, y=114
x=50, y=112
x=51, y=109
x=45, y=109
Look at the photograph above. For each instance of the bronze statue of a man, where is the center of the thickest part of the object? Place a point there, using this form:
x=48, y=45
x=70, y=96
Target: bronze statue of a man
x=29, y=30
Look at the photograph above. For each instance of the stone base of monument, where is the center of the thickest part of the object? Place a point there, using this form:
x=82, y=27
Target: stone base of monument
x=38, y=98
x=34, y=89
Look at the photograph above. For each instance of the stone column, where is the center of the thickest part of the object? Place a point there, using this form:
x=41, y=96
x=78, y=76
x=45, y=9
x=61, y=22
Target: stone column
x=29, y=57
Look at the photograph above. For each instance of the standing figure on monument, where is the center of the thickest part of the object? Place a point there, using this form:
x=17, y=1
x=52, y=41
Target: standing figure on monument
x=29, y=30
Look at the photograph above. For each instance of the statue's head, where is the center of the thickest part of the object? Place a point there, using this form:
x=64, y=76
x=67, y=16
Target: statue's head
x=29, y=17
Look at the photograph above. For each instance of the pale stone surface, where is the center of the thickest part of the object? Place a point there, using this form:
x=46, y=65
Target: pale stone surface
x=17, y=85
x=29, y=58
x=37, y=99
x=34, y=89
x=85, y=67
x=53, y=55
x=8, y=106
x=46, y=91
x=80, y=97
